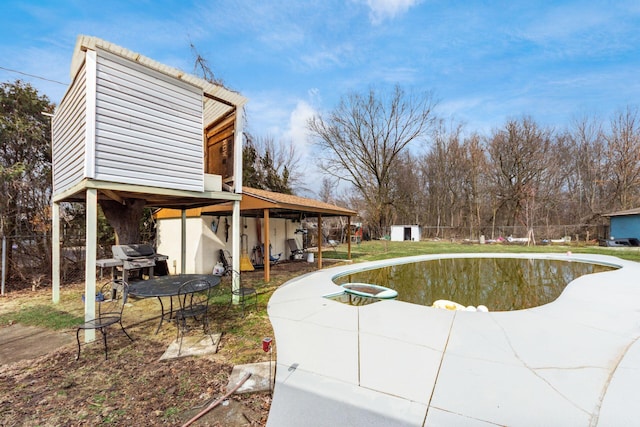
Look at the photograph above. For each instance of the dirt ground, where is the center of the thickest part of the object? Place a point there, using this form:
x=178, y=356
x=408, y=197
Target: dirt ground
x=133, y=387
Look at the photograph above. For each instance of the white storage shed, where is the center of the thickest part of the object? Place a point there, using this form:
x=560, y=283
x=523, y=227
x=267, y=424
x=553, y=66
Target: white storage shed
x=400, y=233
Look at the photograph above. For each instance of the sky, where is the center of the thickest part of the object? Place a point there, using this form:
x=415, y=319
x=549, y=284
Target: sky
x=484, y=62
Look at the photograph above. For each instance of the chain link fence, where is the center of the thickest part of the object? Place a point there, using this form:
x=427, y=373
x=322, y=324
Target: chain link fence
x=27, y=260
x=539, y=234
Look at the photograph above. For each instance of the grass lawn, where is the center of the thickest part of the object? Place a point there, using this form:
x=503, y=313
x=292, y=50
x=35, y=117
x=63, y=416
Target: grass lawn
x=376, y=250
x=36, y=309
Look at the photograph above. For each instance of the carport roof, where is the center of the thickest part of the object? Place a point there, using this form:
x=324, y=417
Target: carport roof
x=255, y=201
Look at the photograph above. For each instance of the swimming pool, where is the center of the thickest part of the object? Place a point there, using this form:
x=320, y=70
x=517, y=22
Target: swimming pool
x=573, y=361
x=500, y=284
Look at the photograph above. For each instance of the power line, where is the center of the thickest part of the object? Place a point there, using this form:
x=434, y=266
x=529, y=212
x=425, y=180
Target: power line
x=32, y=75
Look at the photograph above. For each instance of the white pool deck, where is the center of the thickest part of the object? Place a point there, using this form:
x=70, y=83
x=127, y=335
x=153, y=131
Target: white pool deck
x=573, y=362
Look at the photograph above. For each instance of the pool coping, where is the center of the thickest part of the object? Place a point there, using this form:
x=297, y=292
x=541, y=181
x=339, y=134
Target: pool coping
x=574, y=361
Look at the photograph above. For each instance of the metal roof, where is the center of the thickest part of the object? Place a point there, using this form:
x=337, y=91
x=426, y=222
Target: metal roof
x=634, y=211
x=84, y=43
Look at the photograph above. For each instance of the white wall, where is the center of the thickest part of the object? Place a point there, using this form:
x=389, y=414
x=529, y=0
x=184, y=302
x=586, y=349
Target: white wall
x=69, y=123
x=203, y=243
x=148, y=127
x=123, y=122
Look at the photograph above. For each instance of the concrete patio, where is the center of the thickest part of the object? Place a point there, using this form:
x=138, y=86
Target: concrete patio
x=573, y=362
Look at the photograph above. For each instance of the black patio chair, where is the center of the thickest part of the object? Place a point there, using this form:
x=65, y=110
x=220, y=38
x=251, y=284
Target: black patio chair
x=193, y=297
x=110, y=301
x=243, y=293
x=225, y=258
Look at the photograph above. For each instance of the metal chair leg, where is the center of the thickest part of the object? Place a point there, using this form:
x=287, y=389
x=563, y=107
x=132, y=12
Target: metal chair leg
x=78, y=339
x=125, y=331
x=104, y=339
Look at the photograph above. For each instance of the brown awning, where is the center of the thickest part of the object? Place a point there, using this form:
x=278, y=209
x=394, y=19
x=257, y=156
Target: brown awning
x=255, y=201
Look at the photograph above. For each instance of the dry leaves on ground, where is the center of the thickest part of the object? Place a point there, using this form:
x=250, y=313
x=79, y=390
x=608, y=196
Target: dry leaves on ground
x=132, y=388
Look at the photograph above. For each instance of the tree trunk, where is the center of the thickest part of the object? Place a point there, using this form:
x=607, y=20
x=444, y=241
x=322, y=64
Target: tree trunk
x=124, y=218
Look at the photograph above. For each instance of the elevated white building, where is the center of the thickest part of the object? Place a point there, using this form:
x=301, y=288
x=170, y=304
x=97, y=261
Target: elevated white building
x=129, y=127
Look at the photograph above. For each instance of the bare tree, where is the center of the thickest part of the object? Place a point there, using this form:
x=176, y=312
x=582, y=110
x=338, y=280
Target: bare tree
x=438, y=170
x=623, y=157
x=519, y=154
x=201, y=67
x=327, y=190
x=588, y=148
x=407, y=192
x=476, y=186
x=361, y=139
x=454, y=170
x=270, y=165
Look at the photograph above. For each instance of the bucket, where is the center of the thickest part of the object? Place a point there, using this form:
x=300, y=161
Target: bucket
x=310, y=257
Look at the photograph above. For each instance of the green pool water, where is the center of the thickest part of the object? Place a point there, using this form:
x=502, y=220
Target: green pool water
x=501, y=284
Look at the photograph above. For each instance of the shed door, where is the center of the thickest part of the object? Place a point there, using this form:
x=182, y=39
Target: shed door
x=407, y=233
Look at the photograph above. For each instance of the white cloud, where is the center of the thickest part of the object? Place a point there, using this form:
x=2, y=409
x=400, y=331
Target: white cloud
x=388, y=9
x=299, y=136
x=284, y=119
x=267, y=114
x=326, y=58
x=281, y=117
x=297, y=131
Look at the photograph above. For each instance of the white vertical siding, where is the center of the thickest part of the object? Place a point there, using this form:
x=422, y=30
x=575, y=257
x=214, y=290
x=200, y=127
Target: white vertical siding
x=148, y=127
x=69, y=125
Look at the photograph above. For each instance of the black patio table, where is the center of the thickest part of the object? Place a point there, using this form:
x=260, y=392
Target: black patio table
x=167, y=286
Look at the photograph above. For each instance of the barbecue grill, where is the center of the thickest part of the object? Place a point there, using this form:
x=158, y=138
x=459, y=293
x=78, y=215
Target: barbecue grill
x=133, y=257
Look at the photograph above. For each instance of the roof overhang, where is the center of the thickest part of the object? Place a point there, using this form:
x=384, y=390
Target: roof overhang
x=635, y=211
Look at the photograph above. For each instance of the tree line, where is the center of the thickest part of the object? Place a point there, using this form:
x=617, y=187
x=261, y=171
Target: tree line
x=407, y=166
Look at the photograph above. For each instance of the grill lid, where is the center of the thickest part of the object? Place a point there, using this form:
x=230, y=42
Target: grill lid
x=133, y=251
